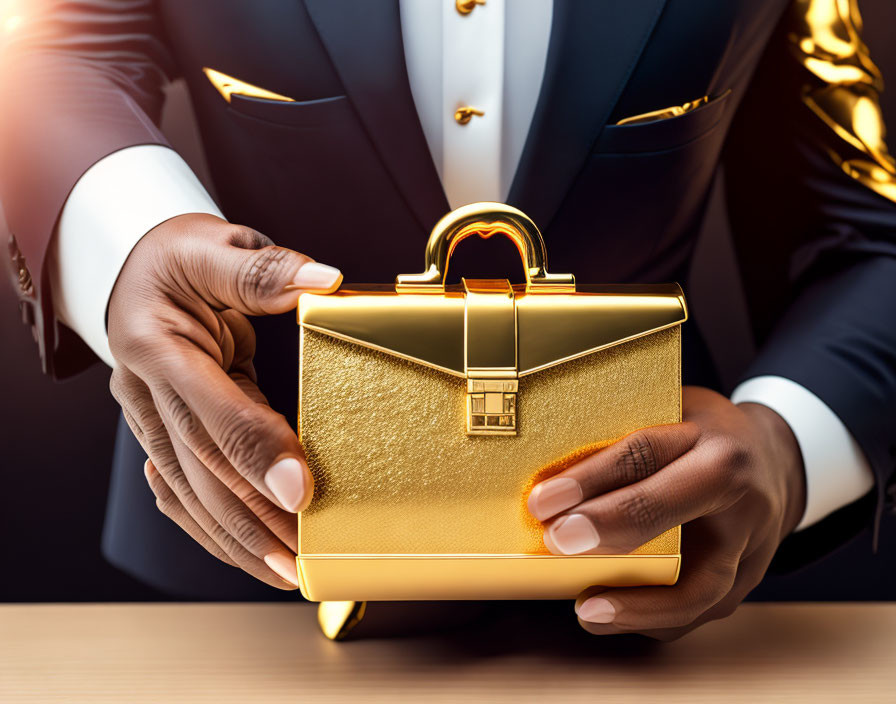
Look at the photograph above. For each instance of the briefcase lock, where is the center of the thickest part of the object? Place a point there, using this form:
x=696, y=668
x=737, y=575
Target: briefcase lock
x=491, y=407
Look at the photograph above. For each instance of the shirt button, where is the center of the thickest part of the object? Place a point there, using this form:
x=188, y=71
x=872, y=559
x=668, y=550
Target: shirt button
x=463, y=115
x=465, y=7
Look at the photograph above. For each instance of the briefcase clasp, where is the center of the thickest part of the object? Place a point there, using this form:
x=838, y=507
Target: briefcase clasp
x=491, y=406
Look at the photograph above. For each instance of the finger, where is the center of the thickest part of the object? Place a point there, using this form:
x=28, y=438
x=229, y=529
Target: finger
x=134, y=426
x=180, y=504
x=187, y=375
x=749, y=574
x=176, y=479
x=134, y=394
x=237, y=521
x=700, y=482
x=706, y=581
x=245, y=271
x=633, y=458
x=139, y=410
x=136, y=405
x=135, y=398
x=257, y=524
x=243, y=335
x=280, y=522
x=210, y=413
x=169, y=505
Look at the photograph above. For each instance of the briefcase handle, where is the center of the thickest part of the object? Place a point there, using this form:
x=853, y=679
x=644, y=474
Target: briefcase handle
x=485, y=220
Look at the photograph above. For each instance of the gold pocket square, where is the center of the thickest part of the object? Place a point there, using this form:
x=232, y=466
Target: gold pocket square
x=665, y=113
x=228, y=85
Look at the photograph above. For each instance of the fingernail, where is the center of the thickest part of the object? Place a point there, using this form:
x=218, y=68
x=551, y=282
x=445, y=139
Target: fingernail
x=554, y=496
x=148, y=469
x=284, y=565
x=574, y=534
x=315, y=276
x=287, y=479
x=596, y=610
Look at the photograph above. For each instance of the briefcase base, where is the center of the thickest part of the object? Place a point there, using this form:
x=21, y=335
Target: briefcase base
x=475, y=577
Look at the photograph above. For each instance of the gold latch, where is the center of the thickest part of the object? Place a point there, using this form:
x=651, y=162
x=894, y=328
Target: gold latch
x=491, y=406
x=490, y=357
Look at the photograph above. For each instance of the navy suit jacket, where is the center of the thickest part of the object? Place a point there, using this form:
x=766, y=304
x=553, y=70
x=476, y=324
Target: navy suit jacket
x=344, y=174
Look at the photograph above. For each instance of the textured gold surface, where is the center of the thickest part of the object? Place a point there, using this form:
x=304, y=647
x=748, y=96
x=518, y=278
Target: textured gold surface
x=843, y=89
x=393, y=474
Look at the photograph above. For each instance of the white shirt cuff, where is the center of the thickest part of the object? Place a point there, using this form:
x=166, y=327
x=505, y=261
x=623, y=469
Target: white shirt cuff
x=117, y=201
x=837, y=472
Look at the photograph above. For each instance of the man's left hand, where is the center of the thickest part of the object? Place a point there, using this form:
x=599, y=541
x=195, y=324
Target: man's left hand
x=733, y=474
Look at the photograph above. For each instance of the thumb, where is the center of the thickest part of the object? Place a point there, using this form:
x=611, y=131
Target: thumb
x=252, y=275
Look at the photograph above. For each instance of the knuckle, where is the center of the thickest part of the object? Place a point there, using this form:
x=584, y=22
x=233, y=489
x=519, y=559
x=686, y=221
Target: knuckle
x=642, y=512
x=236, y=521
x=715, y=584
x=262, y=273
x=166, y=505
x=228, y=543
x=243, y=434
x=159, y=449
x=136, y=407
x=247, y=238
x=732, y=454
x=181, y=418
x=123, y=391
x=637, y=459
x=731, y=465
x=180, y=486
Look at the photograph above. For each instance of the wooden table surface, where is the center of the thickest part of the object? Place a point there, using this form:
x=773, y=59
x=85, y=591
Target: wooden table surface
x=273, y=653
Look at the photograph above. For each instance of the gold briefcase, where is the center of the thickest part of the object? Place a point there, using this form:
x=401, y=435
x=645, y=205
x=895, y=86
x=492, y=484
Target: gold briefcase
x=428, y=412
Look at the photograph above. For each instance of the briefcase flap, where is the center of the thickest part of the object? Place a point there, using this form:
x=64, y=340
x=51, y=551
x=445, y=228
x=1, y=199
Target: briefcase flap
x=551, y=328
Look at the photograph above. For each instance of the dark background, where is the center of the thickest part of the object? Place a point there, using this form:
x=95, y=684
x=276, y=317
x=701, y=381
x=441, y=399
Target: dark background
x=56, y=439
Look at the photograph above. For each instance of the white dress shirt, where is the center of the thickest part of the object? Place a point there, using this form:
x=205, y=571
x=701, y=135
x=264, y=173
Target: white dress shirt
x=492, y=60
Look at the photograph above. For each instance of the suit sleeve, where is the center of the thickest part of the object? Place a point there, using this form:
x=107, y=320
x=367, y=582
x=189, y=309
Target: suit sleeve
x=812, y=199
x=80, y=80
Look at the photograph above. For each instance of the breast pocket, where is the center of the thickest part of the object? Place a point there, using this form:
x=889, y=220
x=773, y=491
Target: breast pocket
x=307, y=114
x=642, y=189
x=664, y=133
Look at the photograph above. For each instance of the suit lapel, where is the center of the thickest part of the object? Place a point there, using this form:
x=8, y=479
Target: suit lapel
x=593, y=50
x=364, y=41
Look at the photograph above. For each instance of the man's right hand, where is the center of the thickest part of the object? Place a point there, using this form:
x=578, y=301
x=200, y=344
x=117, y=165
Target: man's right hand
x=222, y=463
